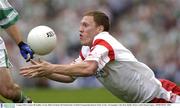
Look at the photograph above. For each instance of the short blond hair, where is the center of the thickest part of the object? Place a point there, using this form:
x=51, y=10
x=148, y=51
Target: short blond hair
x=100, y=18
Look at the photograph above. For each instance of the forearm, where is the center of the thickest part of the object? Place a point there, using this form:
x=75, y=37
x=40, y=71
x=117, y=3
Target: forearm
x=80, y=69
x=60, y=78
x=15, y=34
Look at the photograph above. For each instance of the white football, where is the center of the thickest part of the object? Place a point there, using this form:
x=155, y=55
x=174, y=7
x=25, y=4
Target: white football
x=42, y=40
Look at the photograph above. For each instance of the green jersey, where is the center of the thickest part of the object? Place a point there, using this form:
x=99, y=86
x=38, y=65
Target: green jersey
x=8, y=15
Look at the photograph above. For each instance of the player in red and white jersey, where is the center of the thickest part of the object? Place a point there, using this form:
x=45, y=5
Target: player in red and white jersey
x=113, y=65
x=119, y=71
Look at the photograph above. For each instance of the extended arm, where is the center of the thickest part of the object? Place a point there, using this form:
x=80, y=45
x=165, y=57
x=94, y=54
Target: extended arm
x=60, y=78
x=82, y=69
x=58, y=72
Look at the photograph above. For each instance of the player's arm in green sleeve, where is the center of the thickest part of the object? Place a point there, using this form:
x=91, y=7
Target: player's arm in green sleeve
x=15, y=34
x=8, y=18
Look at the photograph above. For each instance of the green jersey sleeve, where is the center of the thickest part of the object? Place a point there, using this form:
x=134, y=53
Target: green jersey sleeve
x=8, y=15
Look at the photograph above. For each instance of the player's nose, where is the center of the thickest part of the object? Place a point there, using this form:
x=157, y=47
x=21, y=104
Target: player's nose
x=80, y=29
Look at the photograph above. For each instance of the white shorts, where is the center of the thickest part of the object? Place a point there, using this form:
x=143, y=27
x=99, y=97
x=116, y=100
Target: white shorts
x=4, y=60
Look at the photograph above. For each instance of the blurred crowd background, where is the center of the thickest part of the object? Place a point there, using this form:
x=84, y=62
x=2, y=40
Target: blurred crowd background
x=149, y=28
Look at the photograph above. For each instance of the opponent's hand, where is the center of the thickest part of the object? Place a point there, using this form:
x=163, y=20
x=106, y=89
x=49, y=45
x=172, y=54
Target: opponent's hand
x=26, y=51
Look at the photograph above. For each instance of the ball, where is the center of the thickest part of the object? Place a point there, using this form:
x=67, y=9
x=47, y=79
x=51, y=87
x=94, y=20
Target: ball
x=42, y=40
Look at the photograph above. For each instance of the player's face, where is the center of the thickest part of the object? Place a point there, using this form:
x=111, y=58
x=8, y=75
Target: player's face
x=88, y=30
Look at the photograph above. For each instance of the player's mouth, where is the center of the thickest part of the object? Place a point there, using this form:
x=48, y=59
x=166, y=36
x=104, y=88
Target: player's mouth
x=80, y=36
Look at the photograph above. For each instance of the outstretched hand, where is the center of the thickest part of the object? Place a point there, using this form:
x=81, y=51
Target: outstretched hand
x=37, y=69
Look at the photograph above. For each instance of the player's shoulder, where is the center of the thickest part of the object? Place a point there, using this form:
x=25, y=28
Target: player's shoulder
x=104, y=38
x=103, y=35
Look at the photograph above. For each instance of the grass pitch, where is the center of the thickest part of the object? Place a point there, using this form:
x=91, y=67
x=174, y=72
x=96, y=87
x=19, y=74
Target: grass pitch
x=86, y=95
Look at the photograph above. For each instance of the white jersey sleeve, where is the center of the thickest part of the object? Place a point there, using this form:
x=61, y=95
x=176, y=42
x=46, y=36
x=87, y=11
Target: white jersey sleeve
x=100, y=53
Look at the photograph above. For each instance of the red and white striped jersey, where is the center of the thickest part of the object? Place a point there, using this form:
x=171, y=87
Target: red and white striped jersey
x=119, y=71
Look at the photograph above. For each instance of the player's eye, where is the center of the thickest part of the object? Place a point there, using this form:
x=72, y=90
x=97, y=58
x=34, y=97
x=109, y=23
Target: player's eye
x=85, y=24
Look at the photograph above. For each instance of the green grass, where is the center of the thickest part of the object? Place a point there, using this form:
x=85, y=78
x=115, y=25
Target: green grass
x=88, y=95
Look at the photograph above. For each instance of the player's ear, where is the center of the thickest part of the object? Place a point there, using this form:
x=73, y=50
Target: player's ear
x=101, y=28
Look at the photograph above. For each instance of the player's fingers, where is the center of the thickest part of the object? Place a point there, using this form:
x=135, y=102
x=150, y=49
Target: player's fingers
x=37, y=74
x=30, y=67
x=34, y=62
x=29, y=73
x=40, y=61
x=33, y=75
x=25, y=72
